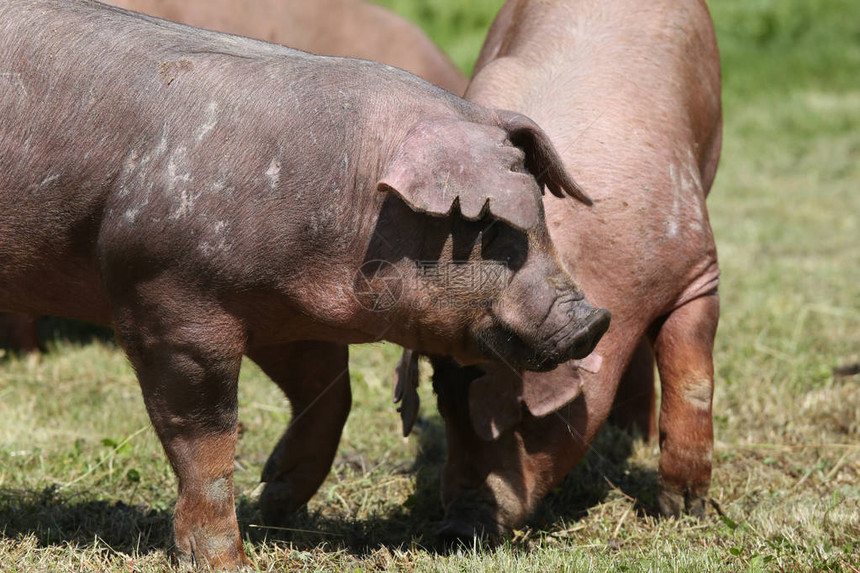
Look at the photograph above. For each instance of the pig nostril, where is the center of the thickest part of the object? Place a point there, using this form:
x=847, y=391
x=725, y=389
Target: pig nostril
x=600, y=323
x=586, y=338
x=472, y=516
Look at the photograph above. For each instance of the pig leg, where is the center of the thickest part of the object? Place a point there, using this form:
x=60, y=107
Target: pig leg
x=315, y=378
x=684, y=347
x=188, y=372
x=635, y=400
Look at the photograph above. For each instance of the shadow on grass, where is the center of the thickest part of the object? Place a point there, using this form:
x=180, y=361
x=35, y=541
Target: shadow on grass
x=74, y=518
x=412, y=525
x=606, y=467
x=60, y=518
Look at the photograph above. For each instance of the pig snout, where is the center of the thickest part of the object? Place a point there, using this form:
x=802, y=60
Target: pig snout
x=468, y=518
x=583, y=327
x=487, y=512
x=569, y=328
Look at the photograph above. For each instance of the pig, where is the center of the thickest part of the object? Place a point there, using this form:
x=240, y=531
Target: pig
x=629, y=92
x=18, y=333
x=211, y=196
x=354, y=28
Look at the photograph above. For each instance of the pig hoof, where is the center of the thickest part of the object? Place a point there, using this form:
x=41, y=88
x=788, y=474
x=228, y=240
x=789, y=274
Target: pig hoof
x=696, y=506
x=673, y=502
x=210, y=553
x=277, y=503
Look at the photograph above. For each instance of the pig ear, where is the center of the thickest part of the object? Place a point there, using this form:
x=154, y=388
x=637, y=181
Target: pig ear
x=406, y=389
x=546, y=392
x=442, y=163
x=496, y=399
x=542, y=160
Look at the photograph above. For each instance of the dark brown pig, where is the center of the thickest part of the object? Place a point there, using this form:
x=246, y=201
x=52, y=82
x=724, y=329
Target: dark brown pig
x=353, y=28
x=18, y=332
x=211, y=196
x=629, y=92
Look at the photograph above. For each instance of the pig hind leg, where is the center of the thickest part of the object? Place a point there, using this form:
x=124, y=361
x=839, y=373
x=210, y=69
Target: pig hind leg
x=684, y=344
x=634, y=406
x=315, y=378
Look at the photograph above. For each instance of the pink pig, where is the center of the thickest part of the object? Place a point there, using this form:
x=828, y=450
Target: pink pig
x=629, y=92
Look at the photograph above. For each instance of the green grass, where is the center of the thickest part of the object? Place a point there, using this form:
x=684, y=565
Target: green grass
x=84, y=485
x=458, y=26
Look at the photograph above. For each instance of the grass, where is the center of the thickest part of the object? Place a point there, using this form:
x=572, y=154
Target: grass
x=84, y=485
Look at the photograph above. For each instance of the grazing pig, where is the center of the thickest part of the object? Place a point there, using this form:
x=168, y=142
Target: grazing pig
x=211, y=196
x=629, y=92
x=353, y=28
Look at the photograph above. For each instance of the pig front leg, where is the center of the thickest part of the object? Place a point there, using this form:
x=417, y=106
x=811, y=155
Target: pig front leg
x=684, y=347
x=187, y=355
x=315, y=378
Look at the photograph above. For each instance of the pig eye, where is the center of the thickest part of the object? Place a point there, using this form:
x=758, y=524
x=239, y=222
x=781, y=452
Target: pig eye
x=503, y=244
x=489, y=234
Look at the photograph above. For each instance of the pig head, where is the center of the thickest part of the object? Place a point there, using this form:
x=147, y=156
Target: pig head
x=519, y=305
x=211, y=196
x=641, y=79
